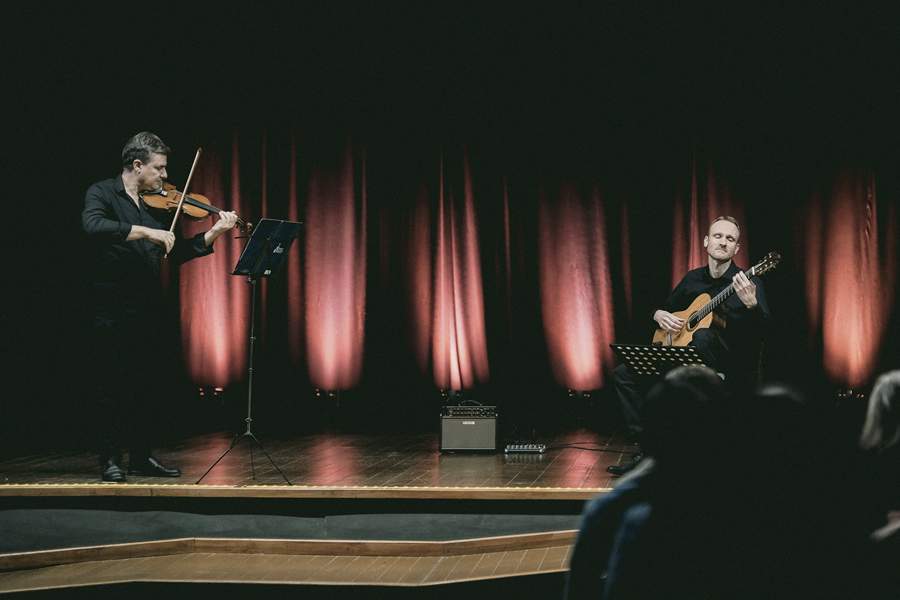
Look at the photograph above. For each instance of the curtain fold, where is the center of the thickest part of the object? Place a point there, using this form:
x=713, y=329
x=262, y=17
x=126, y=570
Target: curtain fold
x=334, y=285
x=851, y=276
x=214, y=306
x=296, y=323
x=709, y=196
x=447, y=280
x=576, y=288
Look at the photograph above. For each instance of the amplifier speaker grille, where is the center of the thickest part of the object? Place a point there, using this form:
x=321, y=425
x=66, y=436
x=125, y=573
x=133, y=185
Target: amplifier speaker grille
x=468, y=433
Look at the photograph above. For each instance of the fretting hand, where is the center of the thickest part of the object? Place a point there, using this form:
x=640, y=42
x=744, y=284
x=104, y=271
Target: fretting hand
x=227, y=220
x=745, y=289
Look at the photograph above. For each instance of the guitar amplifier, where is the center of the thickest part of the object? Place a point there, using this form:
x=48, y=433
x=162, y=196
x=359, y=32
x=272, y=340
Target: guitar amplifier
x=468, y=427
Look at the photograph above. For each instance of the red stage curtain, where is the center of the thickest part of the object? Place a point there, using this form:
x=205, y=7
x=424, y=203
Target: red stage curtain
x=576, y=290
x=294, y=267
x=850, y=274
x=334, y=284
x=215, y=305
x=555, y=243
x=447, y=288
x=708, y=197
x=325, y=290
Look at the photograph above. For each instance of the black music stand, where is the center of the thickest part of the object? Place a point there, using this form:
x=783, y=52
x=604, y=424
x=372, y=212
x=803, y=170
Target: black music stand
x=656, y=360
x=262, y=256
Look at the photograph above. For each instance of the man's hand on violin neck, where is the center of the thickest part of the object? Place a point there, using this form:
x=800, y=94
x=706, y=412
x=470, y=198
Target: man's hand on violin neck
x=227, y=220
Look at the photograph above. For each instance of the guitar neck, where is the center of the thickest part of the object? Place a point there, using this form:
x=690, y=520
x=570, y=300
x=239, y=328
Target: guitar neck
x=720, y=298
x=712, y=304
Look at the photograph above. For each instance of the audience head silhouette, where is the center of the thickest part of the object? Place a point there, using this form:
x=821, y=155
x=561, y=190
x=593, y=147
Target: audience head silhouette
x=881, y=429
x=685, y=413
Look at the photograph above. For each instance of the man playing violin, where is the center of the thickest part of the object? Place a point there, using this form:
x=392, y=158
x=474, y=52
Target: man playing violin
x=128, y=241
x=729, y=346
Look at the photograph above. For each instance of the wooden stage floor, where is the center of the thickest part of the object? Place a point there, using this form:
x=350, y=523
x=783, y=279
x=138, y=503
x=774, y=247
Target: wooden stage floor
x=410, y=465
x=346, y=473
x=288, y=569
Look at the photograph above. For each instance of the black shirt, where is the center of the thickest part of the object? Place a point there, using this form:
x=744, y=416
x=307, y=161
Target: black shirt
x=741, y=323
x=126, y=275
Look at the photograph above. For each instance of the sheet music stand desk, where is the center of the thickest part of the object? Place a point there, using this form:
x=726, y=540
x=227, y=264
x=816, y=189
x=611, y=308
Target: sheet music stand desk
x=656, y=360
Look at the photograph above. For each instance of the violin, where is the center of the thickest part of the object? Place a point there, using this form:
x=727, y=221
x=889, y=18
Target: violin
x=194, y=205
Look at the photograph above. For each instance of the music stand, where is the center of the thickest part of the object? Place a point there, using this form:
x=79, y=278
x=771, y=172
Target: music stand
x=656, y=360
x=262, y=256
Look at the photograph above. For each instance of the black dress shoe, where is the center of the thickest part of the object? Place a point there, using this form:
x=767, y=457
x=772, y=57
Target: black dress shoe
x=625, y=467
x=112, y=472
x=150, y=467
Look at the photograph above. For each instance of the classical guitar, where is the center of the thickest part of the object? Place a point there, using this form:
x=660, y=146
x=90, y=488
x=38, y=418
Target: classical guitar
x=699, y=315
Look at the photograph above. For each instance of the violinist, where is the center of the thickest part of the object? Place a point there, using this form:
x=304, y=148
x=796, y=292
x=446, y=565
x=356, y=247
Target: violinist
x=128, y=241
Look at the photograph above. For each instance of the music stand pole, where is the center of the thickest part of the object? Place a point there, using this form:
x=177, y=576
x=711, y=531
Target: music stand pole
x=259, y=259
x=249, y=419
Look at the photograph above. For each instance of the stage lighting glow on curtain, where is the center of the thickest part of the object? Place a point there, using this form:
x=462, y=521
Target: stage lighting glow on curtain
x=335, y=272
x=850, y=274
x=294, y=268
x=576, y=291
x=447, y=282
x=215, y=306
x=709, y=197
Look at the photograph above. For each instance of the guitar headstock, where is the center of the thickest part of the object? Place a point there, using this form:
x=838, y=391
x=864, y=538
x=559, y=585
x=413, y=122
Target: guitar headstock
x=768, y=262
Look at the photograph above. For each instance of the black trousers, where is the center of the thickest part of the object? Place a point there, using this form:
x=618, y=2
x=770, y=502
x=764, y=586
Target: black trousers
x=127, y=356
x=632, y=389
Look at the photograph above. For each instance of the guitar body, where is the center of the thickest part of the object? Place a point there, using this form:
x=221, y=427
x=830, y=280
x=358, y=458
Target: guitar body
x=704, y=305
x=684, y=337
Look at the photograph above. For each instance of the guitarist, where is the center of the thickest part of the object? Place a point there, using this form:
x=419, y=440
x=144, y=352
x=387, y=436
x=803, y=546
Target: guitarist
x=729, y=346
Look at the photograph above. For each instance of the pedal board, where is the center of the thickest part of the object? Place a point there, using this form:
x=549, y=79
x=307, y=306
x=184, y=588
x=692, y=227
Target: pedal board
x=525, y=448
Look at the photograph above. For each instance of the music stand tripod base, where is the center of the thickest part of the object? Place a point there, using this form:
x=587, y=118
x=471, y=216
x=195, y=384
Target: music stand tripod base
x=234, y=442
x=656, y=360
x=265, y=251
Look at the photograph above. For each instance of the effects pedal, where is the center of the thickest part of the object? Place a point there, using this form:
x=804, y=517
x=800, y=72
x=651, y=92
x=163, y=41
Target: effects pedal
x=525, y=448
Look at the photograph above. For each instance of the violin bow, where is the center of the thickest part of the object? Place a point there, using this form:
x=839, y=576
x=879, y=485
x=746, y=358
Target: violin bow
x=184, y=194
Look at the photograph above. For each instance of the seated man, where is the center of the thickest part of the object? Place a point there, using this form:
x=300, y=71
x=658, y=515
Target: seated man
x=729, y=346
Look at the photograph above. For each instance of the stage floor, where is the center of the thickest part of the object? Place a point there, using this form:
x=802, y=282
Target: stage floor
x=339, y=464
x=364, y=509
